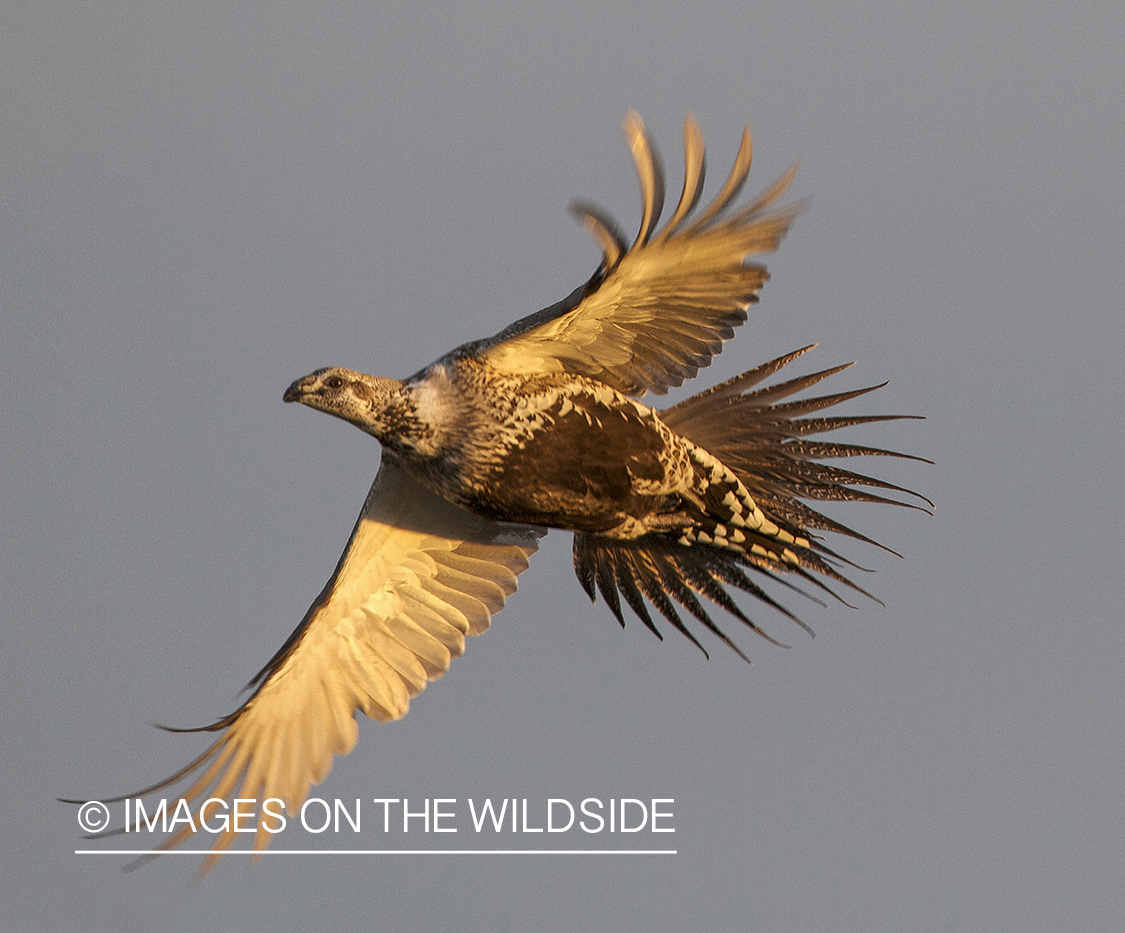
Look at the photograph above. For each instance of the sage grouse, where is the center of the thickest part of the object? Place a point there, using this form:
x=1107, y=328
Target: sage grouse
x=540, y=427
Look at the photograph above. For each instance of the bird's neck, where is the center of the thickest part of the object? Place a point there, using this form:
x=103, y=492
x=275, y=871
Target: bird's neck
x=393, y=416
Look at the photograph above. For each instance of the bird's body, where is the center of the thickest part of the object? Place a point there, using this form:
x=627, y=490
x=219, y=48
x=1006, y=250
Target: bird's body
x=541, y=427
x=555, y=450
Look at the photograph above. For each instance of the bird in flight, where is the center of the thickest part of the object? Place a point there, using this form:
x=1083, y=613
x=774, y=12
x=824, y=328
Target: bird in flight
x=541, y=427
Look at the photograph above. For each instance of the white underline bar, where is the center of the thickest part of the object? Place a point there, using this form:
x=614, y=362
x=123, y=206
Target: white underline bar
x=377, y=852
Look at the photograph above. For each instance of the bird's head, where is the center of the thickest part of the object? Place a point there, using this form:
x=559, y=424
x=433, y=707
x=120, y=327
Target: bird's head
x=372, y=403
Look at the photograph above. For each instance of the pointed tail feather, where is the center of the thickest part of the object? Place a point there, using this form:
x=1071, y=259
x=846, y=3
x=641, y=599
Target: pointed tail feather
x=759, y=438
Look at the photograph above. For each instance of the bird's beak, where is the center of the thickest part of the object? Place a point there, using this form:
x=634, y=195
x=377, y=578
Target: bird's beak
x=294, y=393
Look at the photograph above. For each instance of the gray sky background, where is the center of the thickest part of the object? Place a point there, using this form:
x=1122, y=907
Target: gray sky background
x=201, y=204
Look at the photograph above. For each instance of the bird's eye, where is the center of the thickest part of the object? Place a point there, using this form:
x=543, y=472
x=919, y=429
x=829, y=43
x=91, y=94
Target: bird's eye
x=334, y=382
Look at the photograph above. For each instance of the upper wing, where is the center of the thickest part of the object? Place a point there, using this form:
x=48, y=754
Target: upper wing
x=417, y=576
x=658, y=311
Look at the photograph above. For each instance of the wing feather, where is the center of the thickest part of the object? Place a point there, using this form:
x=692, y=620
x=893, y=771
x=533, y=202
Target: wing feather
x=657, y=312
x=695, y=170
x=649, y=171
x=418, y=575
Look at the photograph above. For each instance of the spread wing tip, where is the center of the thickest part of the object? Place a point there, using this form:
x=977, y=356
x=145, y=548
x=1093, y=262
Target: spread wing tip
x=656, y=311
x=417, y=577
